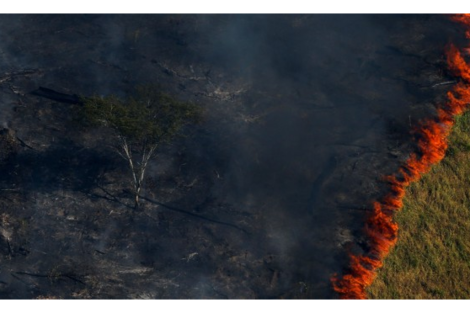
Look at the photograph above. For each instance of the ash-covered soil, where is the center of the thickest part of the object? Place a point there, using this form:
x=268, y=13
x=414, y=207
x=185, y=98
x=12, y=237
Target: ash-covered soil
x=304, y=115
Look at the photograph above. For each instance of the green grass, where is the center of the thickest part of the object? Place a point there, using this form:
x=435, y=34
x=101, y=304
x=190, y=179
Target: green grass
x=432, y=257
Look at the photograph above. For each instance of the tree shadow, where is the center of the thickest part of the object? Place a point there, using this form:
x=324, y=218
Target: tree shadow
x=193, y=215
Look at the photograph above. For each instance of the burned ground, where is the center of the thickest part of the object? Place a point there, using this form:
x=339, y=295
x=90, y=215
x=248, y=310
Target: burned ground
x=303, y=116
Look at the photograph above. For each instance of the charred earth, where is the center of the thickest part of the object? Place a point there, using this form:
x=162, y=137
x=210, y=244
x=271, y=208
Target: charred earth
x=304, y=115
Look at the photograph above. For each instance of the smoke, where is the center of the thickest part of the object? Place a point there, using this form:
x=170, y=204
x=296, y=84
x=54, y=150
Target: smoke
x=304, y=114
x=328, y=87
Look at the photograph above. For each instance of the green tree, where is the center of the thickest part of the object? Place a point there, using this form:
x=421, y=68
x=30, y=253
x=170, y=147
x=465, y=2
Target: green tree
x=140, y=123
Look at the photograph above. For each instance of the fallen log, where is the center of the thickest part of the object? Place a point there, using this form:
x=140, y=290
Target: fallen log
x=56, y=96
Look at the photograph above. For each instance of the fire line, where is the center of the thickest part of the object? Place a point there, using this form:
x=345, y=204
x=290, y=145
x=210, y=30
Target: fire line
x=381, y=230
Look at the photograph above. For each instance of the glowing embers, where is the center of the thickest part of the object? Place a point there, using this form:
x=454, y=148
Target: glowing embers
x=381, y=231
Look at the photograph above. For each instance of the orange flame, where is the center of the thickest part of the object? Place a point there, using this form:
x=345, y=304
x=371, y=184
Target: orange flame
x=380, y=230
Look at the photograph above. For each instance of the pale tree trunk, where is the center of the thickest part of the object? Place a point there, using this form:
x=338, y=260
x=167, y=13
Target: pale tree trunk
x=146, y=155
x=138, y=172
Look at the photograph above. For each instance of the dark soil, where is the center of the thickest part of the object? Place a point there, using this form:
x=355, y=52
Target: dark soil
x=304, y=115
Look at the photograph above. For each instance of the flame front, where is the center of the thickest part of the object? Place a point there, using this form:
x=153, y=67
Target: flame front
x=381, y=231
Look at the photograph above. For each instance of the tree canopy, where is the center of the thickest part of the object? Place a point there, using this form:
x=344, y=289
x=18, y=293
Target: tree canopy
x=141, y=122
x=147, y=117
